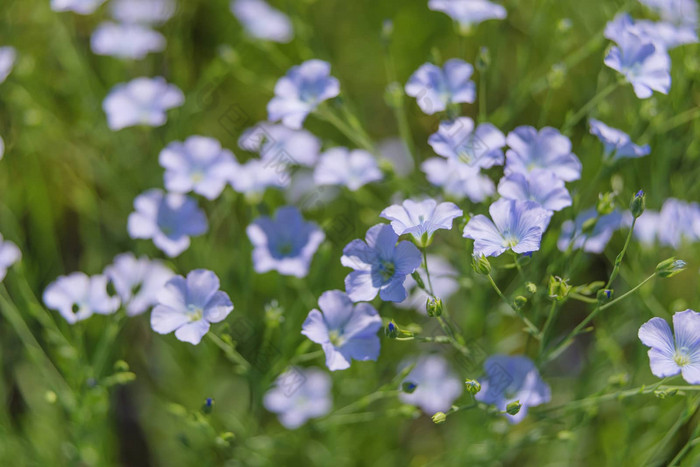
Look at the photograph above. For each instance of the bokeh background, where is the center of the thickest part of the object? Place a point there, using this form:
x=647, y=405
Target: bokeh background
x=67, y=185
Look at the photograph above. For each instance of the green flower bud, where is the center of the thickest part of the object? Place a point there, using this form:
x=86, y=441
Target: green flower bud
x=391, y=331
x=473, y=386
x=557, y=75
x=606, y=203
x=439, y=418
x=558, y=288
x=589, y=225
x=483, y=60
x=519, y=302
x=208, y=406
x=670, y=267
x=513, y=408
x=604, y=296
x=408, y=387
x=531, y=288
x=663, y=394
x=481, y=265
x=419, y=280
x=434, y=306
x=638, y=204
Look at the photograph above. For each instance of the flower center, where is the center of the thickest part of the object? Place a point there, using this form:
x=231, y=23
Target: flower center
x=681, y=357
x=285, y=249
x=195, y=313
x=386, y=270
x=336, y=338
x=197, y=176
x=509, y=240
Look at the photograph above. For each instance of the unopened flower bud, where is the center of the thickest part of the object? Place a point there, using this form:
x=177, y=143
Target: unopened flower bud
x=483, y=60
x=670, y=267
x=481, y=265
x=531, y=288
x=606, y=204
x=558, y=288
x=638, y=204
x=208, y=406
x=513, y=408
x=519, y=302
x=473, y=386
x=391, y=331
x=663, y=394
x=439, y=418
x=434, y=306
x=408, y=387
x=419, y=280
x=604, y=296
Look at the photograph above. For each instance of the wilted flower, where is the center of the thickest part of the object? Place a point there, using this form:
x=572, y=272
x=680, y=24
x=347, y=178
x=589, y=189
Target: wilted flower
x=457, y=140
x=516, y=225
x=126, y=40
x=262, y=21
x=82, y=7
x=137, y=281
x=168, y=219
x=199, y=164
x=595, y=241
x=421, y=218
x=9, y=255
x=8, y=55
x=617, y=143
x=437, y=387
x=547, y=149
x=380, y=265
x=669, y=356
x=443, y=277
x=468, y=12
x=77, y=296
x=189, y=306
x=345, y=330
x=298, y=395
x=285, y=244
x=644, y=65
x=280, y=145
x=435, y=88
x=458, y=179
x=512, y=379
x=143, y=11
x=353, y=169
x=299, y=92
x=142, y=101
x=541, y=186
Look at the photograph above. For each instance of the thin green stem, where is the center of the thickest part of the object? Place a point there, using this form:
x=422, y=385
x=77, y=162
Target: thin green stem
x=326, y=114
x=532, y=328
x=230, y=352
x=620, y=257
x=547, y=328
x=578, y=116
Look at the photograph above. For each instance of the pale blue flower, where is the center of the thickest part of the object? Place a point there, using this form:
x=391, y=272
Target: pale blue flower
x=346, y=331
x=443, y=277
x=595, y=241
x=82, y=7
x=510, y=379
x=126, y=40
x=380, y=265
x=458, y=179
x=143, y=11
x=679, y=221
x=457, y=140
x=299, y=395
x=341, y=166
x=199, y=164
x=285, y=244
x=394, y=152
x=281, y=145
x=299, y=92
x=137, y=281
x=643, y=64
x=189, y=306
x=663, y=34
x=545, y=149
x=679, y=12
x=421, y=219
x=9, y=255
x=669, y=356
x=256, y=176
x=436, y=385
x=647, y=226
x=616, y=142
x=168, y=219
x=142, y=101
x=540, y=186
x=262, y=21
x=77, y=296
x=516, y=225
x=8, y=56
x=435, y=88
x=468, y=12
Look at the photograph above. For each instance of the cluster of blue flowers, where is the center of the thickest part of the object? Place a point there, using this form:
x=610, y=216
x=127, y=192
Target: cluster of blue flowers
x=392, y=261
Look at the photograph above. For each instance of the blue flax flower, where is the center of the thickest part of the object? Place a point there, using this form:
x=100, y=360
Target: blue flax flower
x=545, y=149
x=189, y=306
x=436, y=385
x=346, y=331
x=142, y=101
x=82, y=7
x=669, y=356
x=298, y=395
x=285, y=244
x=168, y=219
x=468, y=12
x=457, y=139
x=644, y=65
x=137, y=281
x=616, y=142
x=663, y=34
x=435, y=88
x=380, y=265
x=299, y=92
x=353, y=169
x=132, y=41
x=9, y=255
x=199, y=164
x=77, y=296
x=509, y=379
x=541, y=186
x=261, y=21
x=8, y=55
x=595, y=241
x=421, y=218
x=443, y=277
x=457, y=179
x=516, y=225
x=142, y=11
x=280, y=145
x=679, y=221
